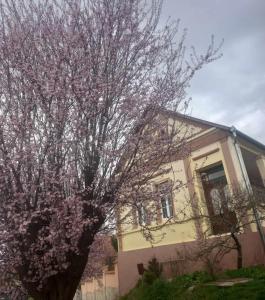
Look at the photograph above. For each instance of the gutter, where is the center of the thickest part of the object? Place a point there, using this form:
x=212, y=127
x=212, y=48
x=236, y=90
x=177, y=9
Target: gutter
x=248, y=185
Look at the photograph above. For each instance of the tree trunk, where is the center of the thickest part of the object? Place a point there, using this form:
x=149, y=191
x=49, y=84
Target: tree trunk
x=239, y=251
x=61, y=288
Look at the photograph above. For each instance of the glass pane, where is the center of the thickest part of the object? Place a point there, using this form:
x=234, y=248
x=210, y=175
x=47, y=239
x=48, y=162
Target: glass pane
x=167, y=208
x=170, y=208
x=217, y=201
x=164, y=207
x=142, y=215
x=165, y=212
x=213, y=174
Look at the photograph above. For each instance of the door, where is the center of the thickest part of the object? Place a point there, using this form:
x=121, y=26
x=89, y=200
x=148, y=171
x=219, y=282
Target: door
x=221, y=214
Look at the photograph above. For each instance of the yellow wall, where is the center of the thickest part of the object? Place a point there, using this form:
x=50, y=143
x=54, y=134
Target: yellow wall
x=204, y=157
x=184, y=129
x=236, y=162
x=176, y=233
x=261, y=166
x=103, y=288
x=133, y=239
x=171, y=233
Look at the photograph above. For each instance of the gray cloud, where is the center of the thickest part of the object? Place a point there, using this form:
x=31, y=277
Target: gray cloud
x=231, y=90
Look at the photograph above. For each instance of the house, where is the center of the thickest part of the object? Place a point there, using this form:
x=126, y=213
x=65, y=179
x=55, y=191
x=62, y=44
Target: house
x=100, y=279
x=218, y=153
x=104, y=287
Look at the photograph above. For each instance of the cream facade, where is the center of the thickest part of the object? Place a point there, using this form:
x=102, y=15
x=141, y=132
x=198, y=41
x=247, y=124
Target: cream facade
x=214, y=149
x=105, y=287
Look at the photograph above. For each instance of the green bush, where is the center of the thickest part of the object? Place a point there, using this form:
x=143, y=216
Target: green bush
x=251, y=272
x=153, y=271
x=149, y=277
x=195, y=278
x=159, y=290
x=155, y=267
x=178, y=288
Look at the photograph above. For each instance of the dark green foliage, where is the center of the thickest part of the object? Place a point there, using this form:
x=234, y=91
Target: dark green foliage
x=110, y=262
x=178, y=288
x=153, y=271
x=114, y=242
x=155, y=267
x=195, y=278
x=149, y=277
x=159, y=290
x=252, y=272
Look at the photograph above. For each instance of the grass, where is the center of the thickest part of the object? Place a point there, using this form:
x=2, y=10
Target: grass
x=248, y=291
x=180, y=287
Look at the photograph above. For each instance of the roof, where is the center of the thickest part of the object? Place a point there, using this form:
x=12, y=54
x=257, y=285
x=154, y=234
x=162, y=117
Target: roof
x=250, y=139
x=230, y=129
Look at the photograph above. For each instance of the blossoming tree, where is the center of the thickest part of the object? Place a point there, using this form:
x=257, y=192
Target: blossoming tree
x=80, y=81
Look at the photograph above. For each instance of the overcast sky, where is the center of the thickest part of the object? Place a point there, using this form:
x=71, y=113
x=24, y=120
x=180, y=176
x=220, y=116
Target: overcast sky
x=229, y=91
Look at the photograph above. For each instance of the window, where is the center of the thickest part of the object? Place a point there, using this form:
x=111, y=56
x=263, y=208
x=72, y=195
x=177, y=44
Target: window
x=166, y=203
x=166, y=200
x=142, y=215
x=216, y=191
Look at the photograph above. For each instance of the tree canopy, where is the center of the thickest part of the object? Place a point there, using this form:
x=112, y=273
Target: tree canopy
x=76, y=80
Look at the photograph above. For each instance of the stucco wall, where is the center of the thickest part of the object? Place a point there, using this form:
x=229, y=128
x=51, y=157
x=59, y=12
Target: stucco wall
x=102, y=288
x=132, y=238
x=211, y=148
x=127, y=261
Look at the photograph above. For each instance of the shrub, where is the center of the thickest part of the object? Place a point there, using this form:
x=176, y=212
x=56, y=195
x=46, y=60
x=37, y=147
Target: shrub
x=153, y=271
x=195, y=278
x=159, y=290
x=149, y=277
x=251, y=272
x=155, y=267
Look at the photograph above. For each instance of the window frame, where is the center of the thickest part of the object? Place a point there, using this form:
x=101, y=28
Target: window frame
x=142, y=215
x=166, y=200
x=167, y=207
x=221, y=184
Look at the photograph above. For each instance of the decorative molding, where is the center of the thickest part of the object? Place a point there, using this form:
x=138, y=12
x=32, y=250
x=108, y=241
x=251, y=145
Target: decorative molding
x=205, y=154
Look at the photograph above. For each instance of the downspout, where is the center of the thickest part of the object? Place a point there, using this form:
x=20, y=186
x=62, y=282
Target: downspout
x=248, y=186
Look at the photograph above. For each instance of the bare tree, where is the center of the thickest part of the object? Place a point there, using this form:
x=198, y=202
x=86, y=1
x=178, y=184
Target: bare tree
x=83, y=84
x=228, y=215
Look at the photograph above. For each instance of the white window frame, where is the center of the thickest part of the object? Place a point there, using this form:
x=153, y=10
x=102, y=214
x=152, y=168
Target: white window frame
x=142, y=215
x=167, y=208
